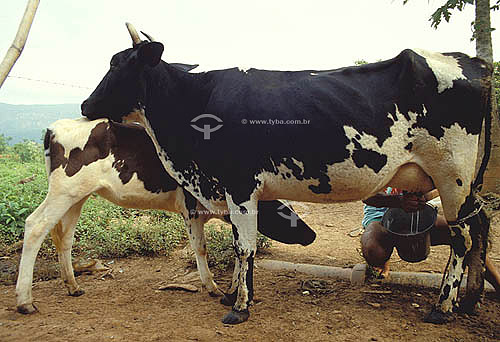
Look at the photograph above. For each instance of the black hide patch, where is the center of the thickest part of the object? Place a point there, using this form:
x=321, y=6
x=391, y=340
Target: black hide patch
x=190, y=202
x=446, y=293
x=249, y=279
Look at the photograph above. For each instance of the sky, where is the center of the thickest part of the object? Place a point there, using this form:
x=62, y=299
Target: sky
x=71, y=42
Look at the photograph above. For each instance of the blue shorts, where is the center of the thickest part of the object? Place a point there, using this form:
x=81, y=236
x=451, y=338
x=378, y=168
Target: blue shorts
x=371, y=214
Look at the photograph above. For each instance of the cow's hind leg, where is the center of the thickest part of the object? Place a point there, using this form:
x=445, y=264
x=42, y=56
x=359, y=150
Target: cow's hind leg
x=461, y=243
x=37, y=226
x=476, y=262
x=244, y=219
x=62, y=236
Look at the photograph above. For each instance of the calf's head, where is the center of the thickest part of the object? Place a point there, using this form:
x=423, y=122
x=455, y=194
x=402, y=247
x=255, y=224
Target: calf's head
x=123, y=88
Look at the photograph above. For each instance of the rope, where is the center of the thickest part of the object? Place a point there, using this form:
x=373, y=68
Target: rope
x=49, y=82
x=491, y=203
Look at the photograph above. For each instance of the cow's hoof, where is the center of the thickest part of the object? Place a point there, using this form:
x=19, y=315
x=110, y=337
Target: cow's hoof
x=438, y=317
x=26, y=309
x=77, y=293
x=215, y=294
x=228, y=299
x=236, y=317
x=469, y=307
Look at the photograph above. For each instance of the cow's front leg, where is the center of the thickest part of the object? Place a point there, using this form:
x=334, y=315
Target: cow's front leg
x=244, y=220
x=229, y=297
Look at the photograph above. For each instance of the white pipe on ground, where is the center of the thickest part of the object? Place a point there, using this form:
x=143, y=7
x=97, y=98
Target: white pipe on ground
x=356, y=275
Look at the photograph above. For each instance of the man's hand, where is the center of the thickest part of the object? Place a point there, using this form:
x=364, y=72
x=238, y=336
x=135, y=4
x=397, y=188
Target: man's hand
x=412, y=202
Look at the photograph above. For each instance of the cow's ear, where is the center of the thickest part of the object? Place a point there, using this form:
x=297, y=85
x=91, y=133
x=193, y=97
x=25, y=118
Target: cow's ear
x=150, y=53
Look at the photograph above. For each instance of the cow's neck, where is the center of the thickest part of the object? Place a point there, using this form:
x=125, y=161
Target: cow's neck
x=172, y=99
x=173, y=93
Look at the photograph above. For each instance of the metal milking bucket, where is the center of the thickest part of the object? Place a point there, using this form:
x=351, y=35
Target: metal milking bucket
x=411, y=231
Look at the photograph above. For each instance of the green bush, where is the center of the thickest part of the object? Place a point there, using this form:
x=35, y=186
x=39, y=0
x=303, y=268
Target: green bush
x=220, y=246
x=106, y=230
x=4, y=143
x=17, y=201
x=28, y=151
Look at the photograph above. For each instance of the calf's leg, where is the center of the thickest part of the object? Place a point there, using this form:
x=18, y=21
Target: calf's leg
x=37, y=226
x=195, y=230
x=62, y=236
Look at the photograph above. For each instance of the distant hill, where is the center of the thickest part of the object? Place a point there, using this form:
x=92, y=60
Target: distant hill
x=28, y=121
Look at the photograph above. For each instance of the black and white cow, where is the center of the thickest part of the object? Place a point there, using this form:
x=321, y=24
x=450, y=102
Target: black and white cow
x=119, y=163
x=411, y=122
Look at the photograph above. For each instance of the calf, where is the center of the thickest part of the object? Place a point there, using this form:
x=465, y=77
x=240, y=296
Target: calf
x=411, y=122
x=119, y=163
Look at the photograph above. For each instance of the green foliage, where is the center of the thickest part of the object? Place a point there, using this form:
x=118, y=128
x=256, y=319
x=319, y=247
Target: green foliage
x=106, y=230
x=445, y=11
x=17, y=201
x=4, y=143
x=28, y=151
x=220, y=246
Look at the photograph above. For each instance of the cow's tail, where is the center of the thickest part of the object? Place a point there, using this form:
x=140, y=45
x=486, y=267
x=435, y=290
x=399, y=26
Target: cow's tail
x=478, y=182
x=46, y=150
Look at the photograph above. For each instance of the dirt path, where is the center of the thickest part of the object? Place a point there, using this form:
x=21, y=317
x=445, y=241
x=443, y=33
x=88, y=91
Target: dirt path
x=129, y=307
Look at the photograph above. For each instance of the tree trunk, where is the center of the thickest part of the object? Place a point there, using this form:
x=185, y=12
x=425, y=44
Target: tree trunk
x=18, y=45
x=484, y=50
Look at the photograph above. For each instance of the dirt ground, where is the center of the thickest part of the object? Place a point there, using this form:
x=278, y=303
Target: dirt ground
x=288, y=306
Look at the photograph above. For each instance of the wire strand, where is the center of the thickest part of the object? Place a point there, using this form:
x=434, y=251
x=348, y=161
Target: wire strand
x=49, y=82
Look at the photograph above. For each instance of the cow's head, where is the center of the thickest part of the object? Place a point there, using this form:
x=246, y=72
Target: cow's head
x=122, y=89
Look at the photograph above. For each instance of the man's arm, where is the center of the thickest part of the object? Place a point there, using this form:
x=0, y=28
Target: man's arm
x=383, y=200
x=408, y=202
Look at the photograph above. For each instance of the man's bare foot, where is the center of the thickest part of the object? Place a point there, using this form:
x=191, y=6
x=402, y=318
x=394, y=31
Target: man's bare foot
x=382, y=272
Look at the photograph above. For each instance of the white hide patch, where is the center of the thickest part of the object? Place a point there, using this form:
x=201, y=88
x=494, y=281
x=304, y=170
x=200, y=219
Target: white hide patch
x=445, y=68
x=364, y=177
x=100, y=177
x=73, y=133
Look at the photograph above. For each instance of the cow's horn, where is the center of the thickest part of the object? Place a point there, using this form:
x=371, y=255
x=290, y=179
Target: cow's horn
x=133, y=33
x=151, y=39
